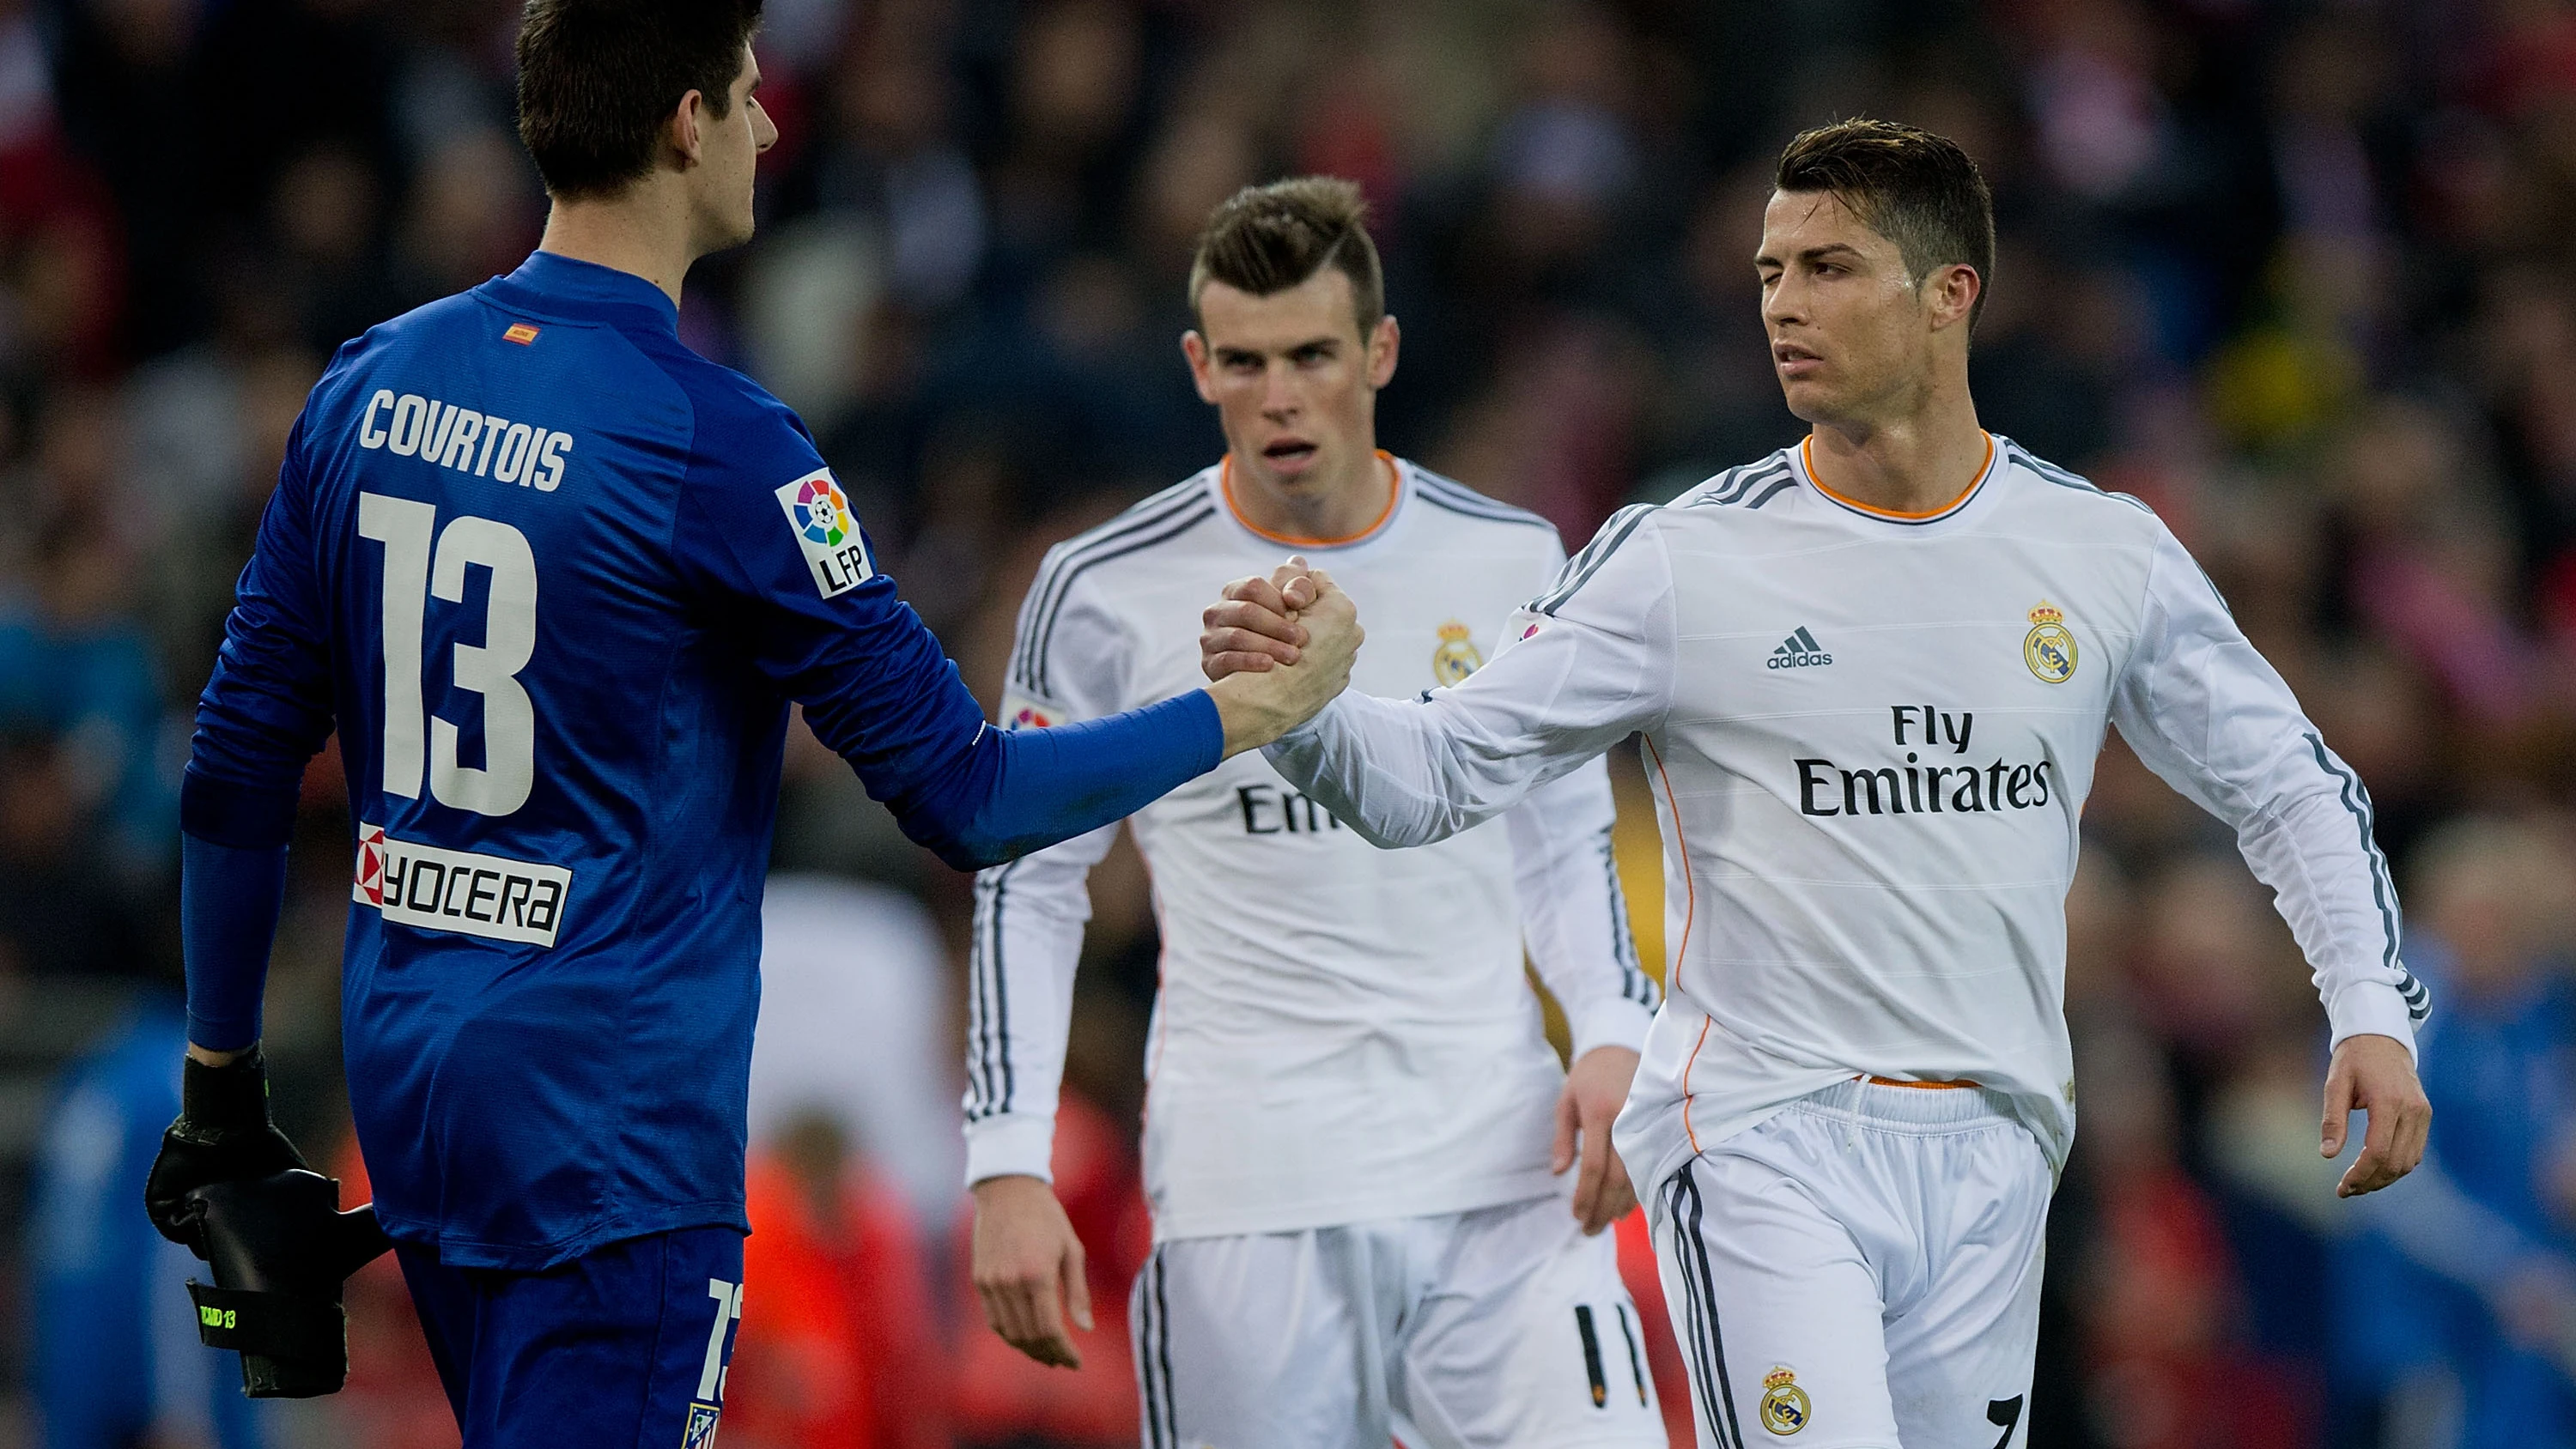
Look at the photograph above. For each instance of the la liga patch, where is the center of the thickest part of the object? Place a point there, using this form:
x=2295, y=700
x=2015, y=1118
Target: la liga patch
x=819, y=514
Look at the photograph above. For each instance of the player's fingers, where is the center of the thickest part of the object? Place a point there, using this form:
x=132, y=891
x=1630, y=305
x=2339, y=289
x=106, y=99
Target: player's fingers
x=1077, y=1286
x=1257, y=591
x=1569, y=1121
x=1048, y=1343
x=1006, y=1310
x=2414, y=1134
x=1618, y=1192
x=1218, y=666
x=1592, y=1178
x=2409, y=1126
x=2370, y=1171
x=1229, y=639
x=2330, y=1134
x=1252, y=617
x=1295, y=588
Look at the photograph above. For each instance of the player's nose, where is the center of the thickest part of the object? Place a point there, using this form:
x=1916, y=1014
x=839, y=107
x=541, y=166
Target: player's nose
x=1278, y=396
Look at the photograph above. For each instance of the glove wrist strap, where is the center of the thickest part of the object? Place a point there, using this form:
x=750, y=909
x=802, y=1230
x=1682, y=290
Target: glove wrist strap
x=292, y=1346
x=232, y=1095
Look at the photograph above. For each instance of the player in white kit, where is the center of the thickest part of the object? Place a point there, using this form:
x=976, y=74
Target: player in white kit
x=1873, y=673
x=1357, y=1139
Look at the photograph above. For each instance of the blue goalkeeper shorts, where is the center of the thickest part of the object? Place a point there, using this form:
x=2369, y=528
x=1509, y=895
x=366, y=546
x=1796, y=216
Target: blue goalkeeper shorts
x=624, y=1347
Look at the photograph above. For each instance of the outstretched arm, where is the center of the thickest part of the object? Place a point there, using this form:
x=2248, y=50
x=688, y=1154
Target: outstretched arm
x=1587, y=664
x=2215, y=721
x=880, y=692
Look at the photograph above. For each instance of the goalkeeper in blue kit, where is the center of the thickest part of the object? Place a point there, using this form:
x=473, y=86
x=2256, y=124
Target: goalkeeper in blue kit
x=554, y=580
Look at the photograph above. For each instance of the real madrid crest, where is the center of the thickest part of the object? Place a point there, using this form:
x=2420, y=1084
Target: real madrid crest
x=1456, y=658
x=2048, y=648
x=1785, y=1409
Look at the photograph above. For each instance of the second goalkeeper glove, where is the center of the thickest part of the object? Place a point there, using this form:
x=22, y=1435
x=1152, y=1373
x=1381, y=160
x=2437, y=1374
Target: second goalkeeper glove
x=223, y=1134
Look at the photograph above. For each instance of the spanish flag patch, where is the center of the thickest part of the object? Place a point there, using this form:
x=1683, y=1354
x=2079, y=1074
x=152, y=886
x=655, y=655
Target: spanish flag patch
x=521, y=333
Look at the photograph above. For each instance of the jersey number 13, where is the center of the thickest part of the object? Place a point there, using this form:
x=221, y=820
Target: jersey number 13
x=412, y=572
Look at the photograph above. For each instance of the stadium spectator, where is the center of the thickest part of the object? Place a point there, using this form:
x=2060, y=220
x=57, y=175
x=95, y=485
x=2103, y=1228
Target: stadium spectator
x=845, y=1348
x=2465, y=1289
x=854, y=1040
x=76, y=663
x=117, y=1362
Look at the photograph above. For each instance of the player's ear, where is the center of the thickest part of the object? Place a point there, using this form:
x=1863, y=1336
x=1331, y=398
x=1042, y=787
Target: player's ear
x=1385, y=340
x=686, y=129
x=1195, y=348
x=1953, y=291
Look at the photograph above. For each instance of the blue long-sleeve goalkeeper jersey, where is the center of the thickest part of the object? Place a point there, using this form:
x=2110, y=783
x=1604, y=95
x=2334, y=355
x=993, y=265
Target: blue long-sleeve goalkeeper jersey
x=554, y=579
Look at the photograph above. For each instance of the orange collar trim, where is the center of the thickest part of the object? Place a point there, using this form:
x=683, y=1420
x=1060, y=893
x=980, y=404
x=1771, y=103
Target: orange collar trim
x=1394, y=493
x=1807, y=455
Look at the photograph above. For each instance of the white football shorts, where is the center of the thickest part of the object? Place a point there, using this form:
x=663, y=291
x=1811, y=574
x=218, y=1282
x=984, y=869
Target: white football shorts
x=1860, y=1271
x=1474, y=1330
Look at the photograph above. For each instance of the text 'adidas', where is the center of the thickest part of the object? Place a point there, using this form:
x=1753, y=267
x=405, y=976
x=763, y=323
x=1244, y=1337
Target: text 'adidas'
x=1800, y=651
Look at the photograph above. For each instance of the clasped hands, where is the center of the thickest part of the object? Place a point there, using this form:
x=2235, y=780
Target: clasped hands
x=1276, y=650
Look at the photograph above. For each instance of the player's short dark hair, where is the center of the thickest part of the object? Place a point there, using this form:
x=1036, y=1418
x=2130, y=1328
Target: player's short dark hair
x=597, y=78
x=1912, y=187
x=1266, y=239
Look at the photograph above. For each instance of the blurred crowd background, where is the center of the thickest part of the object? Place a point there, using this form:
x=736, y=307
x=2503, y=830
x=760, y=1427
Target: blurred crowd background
x=2302, y=275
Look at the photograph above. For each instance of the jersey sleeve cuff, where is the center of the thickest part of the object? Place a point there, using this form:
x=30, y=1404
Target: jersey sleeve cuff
x=1306, y=734
x=1615, y=1021
x=2370, y=1008
x=1013, y=1144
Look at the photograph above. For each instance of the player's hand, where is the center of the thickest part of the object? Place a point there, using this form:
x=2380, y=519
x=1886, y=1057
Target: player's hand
x=1029, y=1269
x=1253, y=624
x=1595, y=1090
x=2376, y=1074
x=1258, y=706
x=223, y=1134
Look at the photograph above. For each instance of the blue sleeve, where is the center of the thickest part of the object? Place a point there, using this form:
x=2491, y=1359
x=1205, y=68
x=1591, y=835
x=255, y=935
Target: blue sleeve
x=1054, y=784
x=764, y=533
x=263, y=715
x=230, y=899
x=267, y=709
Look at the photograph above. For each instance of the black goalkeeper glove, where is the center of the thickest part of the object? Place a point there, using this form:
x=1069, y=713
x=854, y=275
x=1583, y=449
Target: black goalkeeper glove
x=223, y=1135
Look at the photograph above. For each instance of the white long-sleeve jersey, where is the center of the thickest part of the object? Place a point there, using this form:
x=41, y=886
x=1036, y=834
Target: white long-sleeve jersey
x=1871, y=737
x=1341, y=1034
